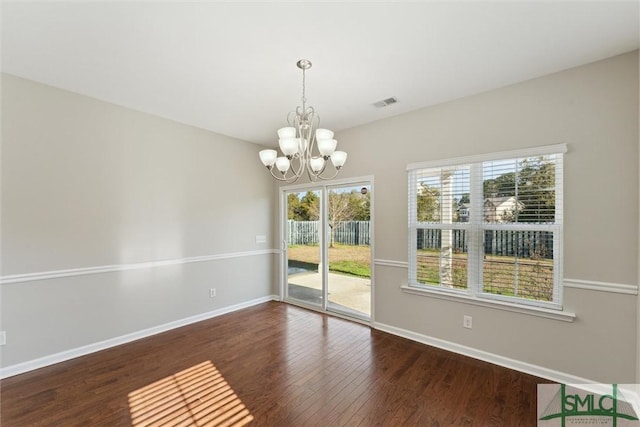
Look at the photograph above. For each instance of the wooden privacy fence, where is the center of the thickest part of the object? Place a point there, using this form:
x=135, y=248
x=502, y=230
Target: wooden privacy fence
x=303, y=232
x=496, y=242
x=345, y=232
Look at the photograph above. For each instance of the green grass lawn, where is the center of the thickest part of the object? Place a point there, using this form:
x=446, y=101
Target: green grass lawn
x=534, y=276
x=352, y=268
x=343, y=259
x=501, y=275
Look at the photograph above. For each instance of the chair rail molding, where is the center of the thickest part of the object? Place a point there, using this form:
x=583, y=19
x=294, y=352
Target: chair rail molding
x=54, y=274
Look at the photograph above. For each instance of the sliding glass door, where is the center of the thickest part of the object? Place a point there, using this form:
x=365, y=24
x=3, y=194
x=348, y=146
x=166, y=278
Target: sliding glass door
x=328, y=237
x=349, y=249
x=304, y=249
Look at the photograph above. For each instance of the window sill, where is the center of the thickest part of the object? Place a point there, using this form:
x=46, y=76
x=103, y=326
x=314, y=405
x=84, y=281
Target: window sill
x=498, y=305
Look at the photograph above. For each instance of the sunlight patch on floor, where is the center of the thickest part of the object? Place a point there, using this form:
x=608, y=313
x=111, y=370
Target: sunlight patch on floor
x=198, y=396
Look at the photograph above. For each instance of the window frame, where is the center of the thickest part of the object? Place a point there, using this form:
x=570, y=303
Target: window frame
x=476, y=227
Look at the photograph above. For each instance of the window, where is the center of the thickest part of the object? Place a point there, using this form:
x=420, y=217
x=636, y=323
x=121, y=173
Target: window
x=489, y=227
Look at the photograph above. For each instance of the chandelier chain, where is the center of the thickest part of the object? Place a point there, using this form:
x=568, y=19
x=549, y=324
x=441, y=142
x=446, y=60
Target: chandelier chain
x=304, y=93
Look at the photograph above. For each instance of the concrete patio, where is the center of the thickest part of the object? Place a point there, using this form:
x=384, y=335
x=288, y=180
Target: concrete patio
x=347, y=293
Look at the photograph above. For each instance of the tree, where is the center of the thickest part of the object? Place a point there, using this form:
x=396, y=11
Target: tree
x=303, y=208
x=360, y=205
x=536, y=190
x=428, y=203
x=352, y=206
x=501, y=186
x=294, y=210
x=311, y=203
x=343, y=206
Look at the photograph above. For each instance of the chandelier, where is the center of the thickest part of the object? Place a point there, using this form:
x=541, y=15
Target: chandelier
x=297, y=143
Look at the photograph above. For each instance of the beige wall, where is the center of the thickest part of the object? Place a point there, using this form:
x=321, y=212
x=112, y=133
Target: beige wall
x=88, y=184
x=85, y=184
x=594, y=110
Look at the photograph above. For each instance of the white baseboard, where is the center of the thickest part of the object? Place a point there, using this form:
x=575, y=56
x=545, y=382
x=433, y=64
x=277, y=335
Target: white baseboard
x=41, y=362
x=506, y=362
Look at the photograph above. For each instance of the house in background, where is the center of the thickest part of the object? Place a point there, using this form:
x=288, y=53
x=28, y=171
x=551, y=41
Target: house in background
x=495, y=209
x=131, y=184
x=463, y=212
x=500, y=209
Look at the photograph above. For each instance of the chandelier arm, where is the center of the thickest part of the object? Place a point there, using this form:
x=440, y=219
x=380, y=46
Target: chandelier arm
x=301, y=165
x=283, y=177
x=279, y=178
x=291, y=114
x=289, y=180
x=312, y=177
x=313, y=121
x=329, y=177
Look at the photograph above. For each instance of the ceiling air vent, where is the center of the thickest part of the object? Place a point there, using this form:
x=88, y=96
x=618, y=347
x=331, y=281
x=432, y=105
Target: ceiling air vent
x=385, y=102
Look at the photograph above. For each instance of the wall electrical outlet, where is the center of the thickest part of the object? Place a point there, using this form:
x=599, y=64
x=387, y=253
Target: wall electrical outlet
x=3, y=337
x=212, y=293
x=467, y=322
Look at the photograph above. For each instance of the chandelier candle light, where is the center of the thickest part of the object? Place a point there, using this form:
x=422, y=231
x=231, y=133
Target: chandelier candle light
x=297, y=143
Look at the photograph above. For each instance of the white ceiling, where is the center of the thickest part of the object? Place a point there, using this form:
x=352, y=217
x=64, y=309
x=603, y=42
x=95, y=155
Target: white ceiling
x=230, y=67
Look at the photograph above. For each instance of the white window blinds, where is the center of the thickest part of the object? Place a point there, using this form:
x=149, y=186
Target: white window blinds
x=489, y=226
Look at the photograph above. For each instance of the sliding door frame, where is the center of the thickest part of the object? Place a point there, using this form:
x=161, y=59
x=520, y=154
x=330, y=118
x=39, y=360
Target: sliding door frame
x=323, y=187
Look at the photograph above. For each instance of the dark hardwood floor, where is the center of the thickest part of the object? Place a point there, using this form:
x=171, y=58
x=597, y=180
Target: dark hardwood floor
x=271, y=365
